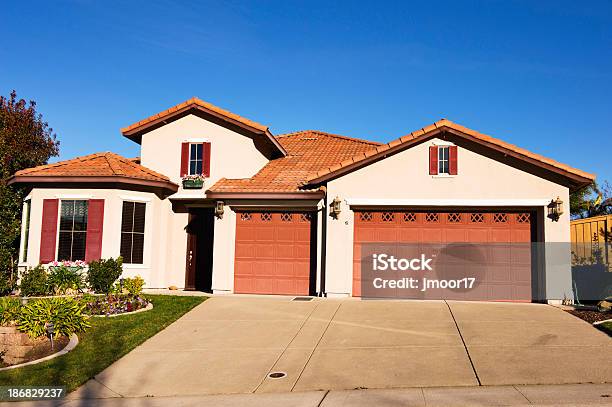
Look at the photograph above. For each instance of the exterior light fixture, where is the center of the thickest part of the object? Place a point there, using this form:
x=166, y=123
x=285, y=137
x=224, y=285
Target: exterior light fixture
x=219, y=209
x=555, y=209
x=50, y=329
x=335, y=209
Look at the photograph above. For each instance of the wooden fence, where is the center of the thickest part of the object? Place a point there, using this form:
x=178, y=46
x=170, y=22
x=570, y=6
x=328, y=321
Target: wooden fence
x=592, y=237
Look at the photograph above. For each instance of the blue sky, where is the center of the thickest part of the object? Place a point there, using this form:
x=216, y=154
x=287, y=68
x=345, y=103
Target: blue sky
x=534, y=73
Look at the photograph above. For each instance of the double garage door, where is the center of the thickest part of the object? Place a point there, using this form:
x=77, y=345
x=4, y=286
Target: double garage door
x=273, y=252
x=506, y=278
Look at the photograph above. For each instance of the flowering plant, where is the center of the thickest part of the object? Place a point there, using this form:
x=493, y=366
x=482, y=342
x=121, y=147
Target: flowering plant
x=193, y=177
x=67, y=263
x=114, y=304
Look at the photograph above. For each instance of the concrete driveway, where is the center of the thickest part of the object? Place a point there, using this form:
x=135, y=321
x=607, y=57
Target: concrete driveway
x=231, y=344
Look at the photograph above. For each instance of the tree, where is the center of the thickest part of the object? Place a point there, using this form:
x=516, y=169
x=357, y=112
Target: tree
x=25, y=141
x=592, y=200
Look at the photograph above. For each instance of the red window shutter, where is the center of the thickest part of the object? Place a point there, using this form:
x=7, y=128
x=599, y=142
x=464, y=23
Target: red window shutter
x=433, y=160
x=206, y=159
x=95, y=222
x=452, y=160
x=48, y=231
x=184, y=159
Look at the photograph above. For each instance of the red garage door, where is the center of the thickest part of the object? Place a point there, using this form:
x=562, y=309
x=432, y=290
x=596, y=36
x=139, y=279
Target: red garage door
x=272, y=253
x=508, y=282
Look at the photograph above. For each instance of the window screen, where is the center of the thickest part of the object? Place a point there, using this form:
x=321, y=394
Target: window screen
x=195, y=158
x=132, y=232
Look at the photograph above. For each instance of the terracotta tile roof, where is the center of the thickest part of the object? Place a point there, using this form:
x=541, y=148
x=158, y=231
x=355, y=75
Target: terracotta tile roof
x=105, y=164
x=194, y=101
x=362, y=157
x=308, y=152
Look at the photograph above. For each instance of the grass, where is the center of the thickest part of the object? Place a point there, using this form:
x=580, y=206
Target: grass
x=107, y=340
x=606, y=327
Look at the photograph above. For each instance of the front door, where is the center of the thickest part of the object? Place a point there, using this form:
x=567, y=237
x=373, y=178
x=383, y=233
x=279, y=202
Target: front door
x=199, y=259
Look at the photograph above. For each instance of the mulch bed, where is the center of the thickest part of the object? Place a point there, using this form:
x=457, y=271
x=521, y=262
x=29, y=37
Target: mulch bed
x=591, y=316
x=43, y=349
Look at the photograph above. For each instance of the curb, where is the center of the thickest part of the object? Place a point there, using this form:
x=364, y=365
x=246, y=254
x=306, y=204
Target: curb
x=149, y=307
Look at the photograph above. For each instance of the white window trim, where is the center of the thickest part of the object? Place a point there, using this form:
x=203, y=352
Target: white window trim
x=196, y=140
x=134, y=199
x=22, y=260
x=189, y=156
x=75, y=197
x=145, y=263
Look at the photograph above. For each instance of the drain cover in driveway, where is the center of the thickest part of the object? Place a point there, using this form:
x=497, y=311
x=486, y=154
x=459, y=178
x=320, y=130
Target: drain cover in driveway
x=277, y=375
x=302, y=299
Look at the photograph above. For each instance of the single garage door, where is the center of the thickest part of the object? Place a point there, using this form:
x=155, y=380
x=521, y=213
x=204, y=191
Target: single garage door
x=273, y=253
x=511, y=281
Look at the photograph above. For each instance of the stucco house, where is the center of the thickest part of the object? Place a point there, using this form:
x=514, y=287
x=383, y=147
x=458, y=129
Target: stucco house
x=285, y=214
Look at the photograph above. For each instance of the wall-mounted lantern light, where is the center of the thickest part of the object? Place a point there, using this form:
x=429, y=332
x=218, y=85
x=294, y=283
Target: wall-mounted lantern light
x=334, y=209
x=219, y=209
x=555, y=209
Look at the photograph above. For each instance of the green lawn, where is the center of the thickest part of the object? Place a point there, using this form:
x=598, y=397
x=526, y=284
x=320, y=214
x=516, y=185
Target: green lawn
x=106, y=341
x=606, y=327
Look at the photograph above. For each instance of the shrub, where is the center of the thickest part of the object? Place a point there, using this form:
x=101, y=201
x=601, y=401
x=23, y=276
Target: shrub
x=9, y=310
x=66, y=314
x=7, y=282
x=133, y=285
x=63, y=278
x=102, y=274
x=34, y=282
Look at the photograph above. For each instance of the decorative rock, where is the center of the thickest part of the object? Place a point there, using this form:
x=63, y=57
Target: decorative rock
x=173, y=288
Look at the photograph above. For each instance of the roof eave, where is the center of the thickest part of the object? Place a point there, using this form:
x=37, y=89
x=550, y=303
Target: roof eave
x=576, y=180
x=83, y=179
x=135, y=133
x=306, y=195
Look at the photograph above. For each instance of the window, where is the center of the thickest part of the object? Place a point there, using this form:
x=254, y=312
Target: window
x=132, y=232
x=443, y=160
x=195, y=158
x=72, y=230
x=26, y=229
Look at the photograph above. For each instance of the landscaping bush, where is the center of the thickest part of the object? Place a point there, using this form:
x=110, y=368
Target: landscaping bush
x=133, y=285
x=63, y=278
x=66, y=314
x=7, y=283
x=9, y=311
x=102, y=274
x=34, y=282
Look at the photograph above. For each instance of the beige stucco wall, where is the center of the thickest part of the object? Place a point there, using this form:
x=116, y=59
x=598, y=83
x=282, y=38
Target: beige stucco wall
x=232, y=155
x=161, y=266
x=404, y=178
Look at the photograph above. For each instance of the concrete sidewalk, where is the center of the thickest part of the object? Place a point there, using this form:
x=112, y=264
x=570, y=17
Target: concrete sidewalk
x=538, y=395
